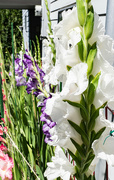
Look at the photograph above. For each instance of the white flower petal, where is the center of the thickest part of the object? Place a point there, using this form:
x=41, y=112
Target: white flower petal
x=104, y=146
x=56, y=107
x=77, y=81
x=59, y=167
x=74, y=35
x=105, y=88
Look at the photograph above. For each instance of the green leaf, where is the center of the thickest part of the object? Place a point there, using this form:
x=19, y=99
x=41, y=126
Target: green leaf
x=69, y=68
x=93, y=118
x=39, y=172
x=92, y=136
x=83, y=126
x=80, y=50
x=83, y=102
x=75, y=104
x=99, y=133
x=79, y=148
x=90, y=8
x=81, y=12
x=88, y=162
x=88, y=1
x=80, y=131
x=88, y=27
x=92, y=88
x=90, y=60
x=92, y=110
x=31, y=156
x=90, y=157
x=77, y=160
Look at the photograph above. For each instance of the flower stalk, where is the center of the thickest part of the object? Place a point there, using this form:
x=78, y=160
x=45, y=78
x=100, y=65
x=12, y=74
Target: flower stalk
x=50, y=34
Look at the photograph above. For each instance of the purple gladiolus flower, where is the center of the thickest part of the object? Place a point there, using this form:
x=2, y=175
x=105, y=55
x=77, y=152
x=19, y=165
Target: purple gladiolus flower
x=48, y=123
x=37, y=92
x=21, y=81
x=27, y=63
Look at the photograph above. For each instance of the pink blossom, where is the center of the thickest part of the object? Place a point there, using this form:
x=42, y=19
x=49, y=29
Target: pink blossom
x=2, y=129
x=2, y=119
x=2, y=139
x=3, y=148
x=6, y=165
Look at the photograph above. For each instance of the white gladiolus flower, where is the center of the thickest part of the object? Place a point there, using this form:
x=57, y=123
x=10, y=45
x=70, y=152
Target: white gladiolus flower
x=60, y=136
x=105, y=88
x=56, y=108
x=59, y=167
x=60, y=111
x=47, y=59
x=73, y=114
x=77, y=81
x=74, y=35
x=62, y=28
x=104, y=146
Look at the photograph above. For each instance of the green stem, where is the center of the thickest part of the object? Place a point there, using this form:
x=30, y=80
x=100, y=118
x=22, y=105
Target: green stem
x=85, y=51
x=85, y=41
x=13, y=48
x=50, y=34
x=1, y=99
x=40, y=87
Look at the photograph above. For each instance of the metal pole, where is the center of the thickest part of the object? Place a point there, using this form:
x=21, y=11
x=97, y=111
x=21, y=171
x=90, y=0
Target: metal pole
x=109, y=27
x=110, y=18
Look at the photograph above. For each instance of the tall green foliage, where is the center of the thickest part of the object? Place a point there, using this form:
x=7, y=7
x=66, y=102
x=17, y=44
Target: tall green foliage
x=6, y=17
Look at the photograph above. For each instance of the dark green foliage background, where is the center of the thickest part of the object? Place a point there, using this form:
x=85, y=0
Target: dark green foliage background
x=6, y=17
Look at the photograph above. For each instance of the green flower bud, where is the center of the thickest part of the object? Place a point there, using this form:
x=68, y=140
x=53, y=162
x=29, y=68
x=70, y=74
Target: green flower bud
x=90, y=59
x=88, y=1
x=88, y=27
x=81, y=12
x=80, y=50
x=92, y=88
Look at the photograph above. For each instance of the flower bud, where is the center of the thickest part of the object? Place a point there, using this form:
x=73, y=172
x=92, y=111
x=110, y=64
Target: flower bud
x=88, y=27
x=81, y=12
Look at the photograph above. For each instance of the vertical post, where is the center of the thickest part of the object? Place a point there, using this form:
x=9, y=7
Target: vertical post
x=109, y=31
x=106, y=116
x=110, y=18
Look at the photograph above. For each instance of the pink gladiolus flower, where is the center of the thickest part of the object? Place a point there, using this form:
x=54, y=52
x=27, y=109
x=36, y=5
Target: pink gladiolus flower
x=3, y=129
x=2, y=139
x=3, y=148
x=3, y=80
x=2, y=119
x=4, y=98
x=5, y=112
x=6, y=165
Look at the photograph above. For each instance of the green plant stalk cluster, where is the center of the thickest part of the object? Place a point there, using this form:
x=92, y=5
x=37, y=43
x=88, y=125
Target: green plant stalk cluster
x=1, y=98
x=25, y=129
x=50, y=34
x=84, y=154
x=6, y=17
